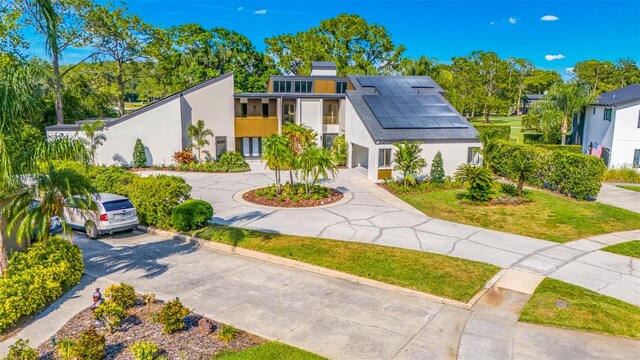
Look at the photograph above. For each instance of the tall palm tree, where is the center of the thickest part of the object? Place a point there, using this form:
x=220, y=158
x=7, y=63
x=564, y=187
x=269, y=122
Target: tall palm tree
x=407, y=159
x=300, y=137
x=522, y=168
x=198, y=134
x=315, y=163
x=31, y=210
x=94, y=137
x=277, y=155
x=565, y=100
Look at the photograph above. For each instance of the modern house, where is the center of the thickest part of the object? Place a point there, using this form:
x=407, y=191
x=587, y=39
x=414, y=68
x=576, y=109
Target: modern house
x=373, y=112
x=610, y=128
x=527, y=101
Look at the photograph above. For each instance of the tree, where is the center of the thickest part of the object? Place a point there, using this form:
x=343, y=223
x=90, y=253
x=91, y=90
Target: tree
x=139, y=154
x=626, y=72
x=599, y=75
x=356, y=47
x=563, y=102
x=477, y=179
x=339, y=150
x=315, y=163
x=51, y=189
x=94, y=137
x=300, y=137
x=277, y=155
x=523, y=69
x=407, y=159
x=198, y=134
x=61, y=23
x=540, y=80
x=119, y=37
x=437, y=169
x=522, y=168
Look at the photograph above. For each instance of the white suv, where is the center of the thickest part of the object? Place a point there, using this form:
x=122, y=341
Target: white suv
x=113, y=213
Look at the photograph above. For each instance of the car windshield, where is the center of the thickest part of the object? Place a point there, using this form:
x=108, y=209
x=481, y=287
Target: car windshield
x=116, y=205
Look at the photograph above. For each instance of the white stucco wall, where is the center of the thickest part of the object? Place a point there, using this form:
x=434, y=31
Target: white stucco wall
x=626, y=134
x=596, y=129
x=356, y=133
x=311, y=115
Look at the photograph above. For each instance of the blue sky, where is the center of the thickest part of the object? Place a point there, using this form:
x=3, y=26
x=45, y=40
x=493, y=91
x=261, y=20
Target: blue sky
x=574, y=30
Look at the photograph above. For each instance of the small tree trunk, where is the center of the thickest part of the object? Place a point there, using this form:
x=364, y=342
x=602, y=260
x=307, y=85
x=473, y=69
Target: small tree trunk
x=564, y=130
x=486, y=113
x=3, y=255
x=120, y=81
x=520, y=185
x=291, y=176
x=57, y=88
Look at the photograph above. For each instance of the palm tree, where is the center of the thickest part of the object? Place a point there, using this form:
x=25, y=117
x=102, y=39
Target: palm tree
x=94, y=138
x=31, y=210
x=300, y=137
x=564, y=100
x=478, y=180
x=407, y=159
x=522, y=168
x=198, y=133
x=315, y=163
x=277, y=155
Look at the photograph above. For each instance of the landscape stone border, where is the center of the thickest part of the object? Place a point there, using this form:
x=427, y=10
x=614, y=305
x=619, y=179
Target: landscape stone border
x=321, y=270
x=237, y=197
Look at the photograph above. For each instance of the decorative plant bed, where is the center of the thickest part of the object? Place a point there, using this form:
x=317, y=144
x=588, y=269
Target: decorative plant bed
x=293, y=197
x=188, y=343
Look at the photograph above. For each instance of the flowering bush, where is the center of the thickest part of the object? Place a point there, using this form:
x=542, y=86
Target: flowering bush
x=183, y=157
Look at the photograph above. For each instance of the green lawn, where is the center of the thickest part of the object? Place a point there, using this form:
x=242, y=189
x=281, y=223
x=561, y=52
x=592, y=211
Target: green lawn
x=630, y=187
x=514, y=121
x=550, y=217
x=270, y=351
x=440, y=275
x=630, y=248
x=587, y=310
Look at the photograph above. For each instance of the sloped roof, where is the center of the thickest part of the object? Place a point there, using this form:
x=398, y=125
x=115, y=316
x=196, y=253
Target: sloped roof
x=619, y=96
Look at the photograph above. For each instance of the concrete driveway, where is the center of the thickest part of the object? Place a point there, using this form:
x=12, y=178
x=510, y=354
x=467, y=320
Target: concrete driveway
x=610, y=194
x=335, y=318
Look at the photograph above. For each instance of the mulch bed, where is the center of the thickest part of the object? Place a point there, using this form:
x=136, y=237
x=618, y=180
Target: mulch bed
x=252, y=197
x=189, y=343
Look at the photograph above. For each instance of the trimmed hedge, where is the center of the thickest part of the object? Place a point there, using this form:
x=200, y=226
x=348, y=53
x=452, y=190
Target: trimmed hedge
x=153, y=196
x=560, y=168
x=575, y=149
x=533, y=138
x=494, y=132
x=37, y=276
x=191, y=215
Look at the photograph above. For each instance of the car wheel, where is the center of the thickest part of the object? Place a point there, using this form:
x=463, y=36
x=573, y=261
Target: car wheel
x=91, y=229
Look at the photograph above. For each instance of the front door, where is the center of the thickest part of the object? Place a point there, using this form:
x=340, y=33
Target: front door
x=251, y=147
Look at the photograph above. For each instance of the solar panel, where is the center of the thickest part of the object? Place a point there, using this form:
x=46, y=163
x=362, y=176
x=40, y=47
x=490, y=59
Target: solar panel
x=413, y=111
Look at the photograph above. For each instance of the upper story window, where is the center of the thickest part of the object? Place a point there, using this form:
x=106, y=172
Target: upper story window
x=330, y=113
x=265, y=110
x=384, y=158
x=607, y=114
x=243, y=110
x=341, y=87
x=638, y=119
x=303, y=86
x=289, y=112
x=281, y=86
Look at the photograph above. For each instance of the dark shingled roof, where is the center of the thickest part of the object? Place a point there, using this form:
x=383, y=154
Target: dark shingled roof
x=323, y=65
x=456, y=129
x=534, y=96
x=619, y=96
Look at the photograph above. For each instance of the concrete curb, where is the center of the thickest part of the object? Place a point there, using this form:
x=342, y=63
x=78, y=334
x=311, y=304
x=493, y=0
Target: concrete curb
x=237, y=197
x=320, y=270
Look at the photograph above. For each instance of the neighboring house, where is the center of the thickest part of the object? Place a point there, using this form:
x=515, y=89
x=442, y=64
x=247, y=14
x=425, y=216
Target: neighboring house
x=613, y=123
x=527, y=101
x=373, y=112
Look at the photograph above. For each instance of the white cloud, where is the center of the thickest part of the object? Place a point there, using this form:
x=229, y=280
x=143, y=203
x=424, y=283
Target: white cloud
x=554, y=57
x=260, y=12
x=512, y=20
x=240, y=8
x=492, y=23
x=569, y=70
x=549, y=18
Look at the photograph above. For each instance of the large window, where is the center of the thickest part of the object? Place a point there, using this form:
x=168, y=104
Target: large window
x=303, y=86
x=473, y=156
x=289, y=112
x=221, y=145
x=281, y=86
x=384, y=158
x=341, y=87
x=607, y=114
x=330, y=112
x=328, y=140
x=636, y=158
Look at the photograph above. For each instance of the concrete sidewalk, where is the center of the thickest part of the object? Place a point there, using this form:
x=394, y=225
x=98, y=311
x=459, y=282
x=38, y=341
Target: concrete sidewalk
x=610, y=194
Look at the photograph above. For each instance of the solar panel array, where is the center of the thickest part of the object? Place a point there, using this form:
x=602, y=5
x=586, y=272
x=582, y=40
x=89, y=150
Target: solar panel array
x=400, y=106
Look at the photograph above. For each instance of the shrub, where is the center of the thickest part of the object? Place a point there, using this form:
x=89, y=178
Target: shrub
x=191, y=215
x=493, y=132
x=111, y=314
x=172, y=315
x=66, y=349
x=625, y=174
x=232, y=161
x=407, y=159
x=478, y=180
x=139, y=154
x=149, y=298
x=183, y=157
x=21, y=350
x=558, y=168
x=156, y=196
x=113, y=179
x=339, y=150
x=226, y=333
x=533, y=138
x=437, y=169
x=36, y=277
x=509, y=189
x=144, y=350
x=124, y=295
x=90, y=345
